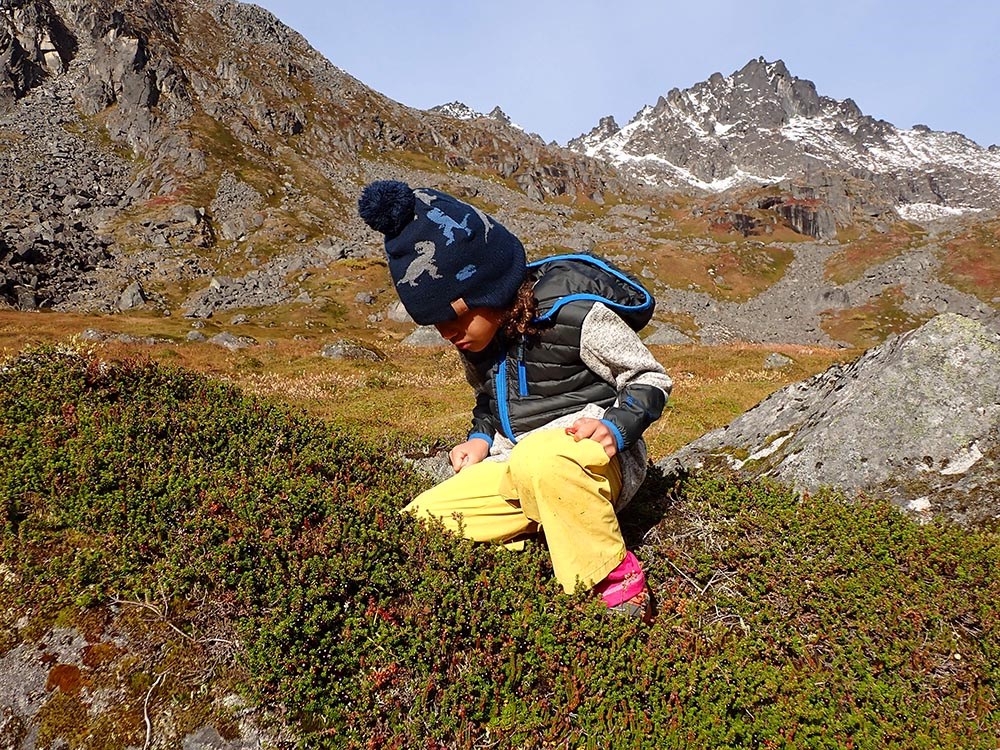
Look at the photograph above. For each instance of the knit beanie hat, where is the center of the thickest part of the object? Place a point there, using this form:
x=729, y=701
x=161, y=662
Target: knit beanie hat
x=445, y=256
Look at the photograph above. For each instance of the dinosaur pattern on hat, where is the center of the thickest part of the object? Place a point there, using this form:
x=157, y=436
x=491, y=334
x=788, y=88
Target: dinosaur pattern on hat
x=423, y=263
x=448, y=225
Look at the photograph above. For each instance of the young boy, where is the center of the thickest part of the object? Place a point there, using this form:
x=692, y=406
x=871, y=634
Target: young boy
x=564, y=386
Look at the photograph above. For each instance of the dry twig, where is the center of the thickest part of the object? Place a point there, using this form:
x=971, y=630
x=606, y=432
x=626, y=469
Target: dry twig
x=145, y=710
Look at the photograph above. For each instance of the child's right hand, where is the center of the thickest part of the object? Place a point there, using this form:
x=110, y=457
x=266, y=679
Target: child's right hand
x=470, y=452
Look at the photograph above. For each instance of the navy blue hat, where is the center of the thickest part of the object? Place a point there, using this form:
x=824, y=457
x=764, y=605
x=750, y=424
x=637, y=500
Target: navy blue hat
x=445, y=256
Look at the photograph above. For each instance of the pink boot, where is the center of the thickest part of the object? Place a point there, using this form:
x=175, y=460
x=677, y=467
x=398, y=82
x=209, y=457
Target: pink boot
x=624, y=589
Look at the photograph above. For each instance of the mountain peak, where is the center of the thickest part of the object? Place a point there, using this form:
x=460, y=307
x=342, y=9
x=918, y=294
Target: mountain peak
x=759, y=65
x=461, y=111
x=762, y=125
x=458, y=110
x=606, y=128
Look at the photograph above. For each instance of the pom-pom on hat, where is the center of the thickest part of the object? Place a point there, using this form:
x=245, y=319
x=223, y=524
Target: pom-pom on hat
x=445, y=256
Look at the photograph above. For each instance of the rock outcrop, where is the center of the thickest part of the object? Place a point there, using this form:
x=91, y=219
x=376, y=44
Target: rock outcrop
x=916, y=419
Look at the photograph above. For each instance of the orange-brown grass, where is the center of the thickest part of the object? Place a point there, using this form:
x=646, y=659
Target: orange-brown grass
x=971, y=262
x=858, y=255
x=874, y=321
x=746, y=268
x=414, y=397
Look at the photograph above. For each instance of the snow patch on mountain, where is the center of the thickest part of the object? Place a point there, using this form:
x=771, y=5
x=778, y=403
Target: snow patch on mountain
x=932, y=211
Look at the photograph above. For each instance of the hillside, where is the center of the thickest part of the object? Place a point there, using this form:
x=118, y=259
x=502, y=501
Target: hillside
x=250, y=581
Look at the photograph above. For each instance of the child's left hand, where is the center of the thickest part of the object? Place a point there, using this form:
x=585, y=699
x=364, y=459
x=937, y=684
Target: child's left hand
x=595, y=429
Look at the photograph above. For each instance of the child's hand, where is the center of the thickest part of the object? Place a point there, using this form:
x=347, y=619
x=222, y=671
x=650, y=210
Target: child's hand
x=468, y=453
x=595, y=429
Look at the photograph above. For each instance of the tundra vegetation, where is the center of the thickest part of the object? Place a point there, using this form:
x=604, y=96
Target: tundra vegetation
x=267, y=542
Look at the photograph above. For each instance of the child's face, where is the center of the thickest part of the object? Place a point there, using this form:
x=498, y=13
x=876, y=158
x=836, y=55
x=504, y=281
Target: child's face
x=473, y=330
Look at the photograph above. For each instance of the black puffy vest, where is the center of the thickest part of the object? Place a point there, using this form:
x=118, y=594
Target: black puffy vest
x=530, y=383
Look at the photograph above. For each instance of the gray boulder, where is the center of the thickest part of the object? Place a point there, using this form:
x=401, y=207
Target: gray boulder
x=425, y=337
x=131, y=297
x=776, y=361
x=348, y=350
x=668, y=335
x=95, y=334
x=915, y=420
x=437, y=465
x=231, y=342
x=397, y=313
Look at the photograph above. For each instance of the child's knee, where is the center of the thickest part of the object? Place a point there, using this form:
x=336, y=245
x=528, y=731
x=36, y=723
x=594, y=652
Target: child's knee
x=549, y=453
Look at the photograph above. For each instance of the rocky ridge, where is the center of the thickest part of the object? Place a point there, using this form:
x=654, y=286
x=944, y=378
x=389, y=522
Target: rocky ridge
x=462, y=111
x=794, y=308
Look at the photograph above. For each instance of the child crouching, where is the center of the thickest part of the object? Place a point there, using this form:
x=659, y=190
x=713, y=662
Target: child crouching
x=564, y=386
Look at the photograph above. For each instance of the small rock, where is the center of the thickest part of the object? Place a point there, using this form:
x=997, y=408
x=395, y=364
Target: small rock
x=239, y=320
x=26, y=299
x=92, y=334
x=205, y=738
x=348, y=350
x=231, y=342
x=397, y=313
x=131, y=297
x=425, y=336
x=365, y=298
x=196, y=336
x=776, y=361
x=436, y=466
x=668, y=335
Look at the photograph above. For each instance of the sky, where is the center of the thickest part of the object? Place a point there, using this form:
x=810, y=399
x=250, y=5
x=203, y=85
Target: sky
x=556, y=67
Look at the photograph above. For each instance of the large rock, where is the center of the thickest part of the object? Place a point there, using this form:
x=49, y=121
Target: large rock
x=916, y=419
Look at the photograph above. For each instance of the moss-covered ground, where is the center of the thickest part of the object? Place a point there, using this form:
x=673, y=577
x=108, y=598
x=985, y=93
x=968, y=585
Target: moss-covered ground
x=971, y=262
x=859, y=253
x=871, y=323
x=783, y=621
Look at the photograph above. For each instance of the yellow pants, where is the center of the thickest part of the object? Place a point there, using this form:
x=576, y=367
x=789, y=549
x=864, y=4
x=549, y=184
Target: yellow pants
x=566, y=489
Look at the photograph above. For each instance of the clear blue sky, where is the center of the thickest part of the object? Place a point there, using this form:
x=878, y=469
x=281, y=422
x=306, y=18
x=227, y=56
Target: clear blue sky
x=557, y=67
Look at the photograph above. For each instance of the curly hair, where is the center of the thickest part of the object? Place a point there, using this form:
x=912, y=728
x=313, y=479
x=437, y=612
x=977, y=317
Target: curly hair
x=519, y=319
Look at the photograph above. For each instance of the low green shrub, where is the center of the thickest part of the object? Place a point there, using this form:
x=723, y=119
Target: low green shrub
x=784, y=622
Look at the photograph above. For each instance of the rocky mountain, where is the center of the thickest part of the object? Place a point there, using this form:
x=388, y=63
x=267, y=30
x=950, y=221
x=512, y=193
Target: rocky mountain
x=916, y=420
x=762, y=125
x=181, y=141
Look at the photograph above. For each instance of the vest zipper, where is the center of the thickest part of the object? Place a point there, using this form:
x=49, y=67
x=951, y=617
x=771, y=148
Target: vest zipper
x=501, y=384
x=522, y=371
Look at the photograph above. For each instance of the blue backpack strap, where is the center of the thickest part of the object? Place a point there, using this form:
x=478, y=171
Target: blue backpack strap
x=636, y=314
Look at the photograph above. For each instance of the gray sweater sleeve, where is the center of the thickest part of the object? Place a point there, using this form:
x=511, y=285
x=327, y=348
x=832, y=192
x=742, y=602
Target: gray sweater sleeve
x=616, y=353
